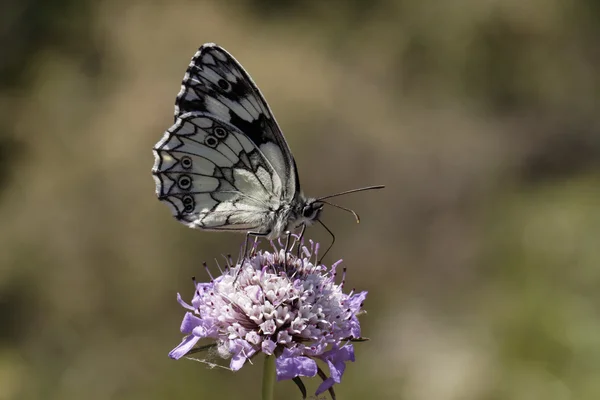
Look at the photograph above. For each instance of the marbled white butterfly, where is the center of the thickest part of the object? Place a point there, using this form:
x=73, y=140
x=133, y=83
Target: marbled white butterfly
x=225, y=165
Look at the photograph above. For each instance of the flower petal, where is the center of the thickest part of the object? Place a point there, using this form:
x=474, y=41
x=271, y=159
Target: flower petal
x=339, y=354
x=336, y=370
x=327, y=383
x=190, y=321
x=186, y=345
x=199, y=327
x=356, y=301
x=336, y=360
x=183, y=303
x=289, y=366
x=237, y=361
x=268, y=346
x=354, y=326
x=241, y=351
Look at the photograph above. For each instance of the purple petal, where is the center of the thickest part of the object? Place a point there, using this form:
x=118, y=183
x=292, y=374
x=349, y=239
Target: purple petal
x=356, y=300
x=327, y=383
x=289, y=366
x=268, y=346
x=337, y=354
x=190, y=321
x=316, y=349
x=241, y=351
x=237, y=361
x=183, y=303
x=201, y=286
x=186, y=345
x=206, y=329
x=336, y=360
x=336, y=370
x=354, y=326
x=198, y=327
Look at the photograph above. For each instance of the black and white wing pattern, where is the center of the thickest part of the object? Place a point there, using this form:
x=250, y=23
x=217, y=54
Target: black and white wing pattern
x=217, y=84
x=213, y=177
x=224, y=164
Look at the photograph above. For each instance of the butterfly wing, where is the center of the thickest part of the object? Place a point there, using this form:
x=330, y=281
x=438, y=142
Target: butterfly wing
x=216, y=84
x=214, y=177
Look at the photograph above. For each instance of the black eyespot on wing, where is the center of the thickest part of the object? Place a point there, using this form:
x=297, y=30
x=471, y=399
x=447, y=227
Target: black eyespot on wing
x=188, y=203
x=184, y=182
x=223, y=84
x=186, y=162
x=220, y=132
x=211, y=141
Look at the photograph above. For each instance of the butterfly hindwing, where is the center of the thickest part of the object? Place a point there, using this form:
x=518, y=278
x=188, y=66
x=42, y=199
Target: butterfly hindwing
x=213, y=177
x=216, y=84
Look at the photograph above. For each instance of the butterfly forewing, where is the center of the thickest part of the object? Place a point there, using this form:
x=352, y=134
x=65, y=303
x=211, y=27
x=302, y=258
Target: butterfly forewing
x=215, y=83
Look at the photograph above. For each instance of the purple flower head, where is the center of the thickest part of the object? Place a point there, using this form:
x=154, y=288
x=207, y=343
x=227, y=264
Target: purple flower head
x=277, y=303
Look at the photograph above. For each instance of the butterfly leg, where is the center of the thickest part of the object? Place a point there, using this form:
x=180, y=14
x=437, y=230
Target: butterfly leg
x=300, y=240
x=256, y=236
x=245, y=251
x=332, y=241
x=287, y=247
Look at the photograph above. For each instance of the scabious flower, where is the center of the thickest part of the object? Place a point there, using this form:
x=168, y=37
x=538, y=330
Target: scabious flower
x=278, y=304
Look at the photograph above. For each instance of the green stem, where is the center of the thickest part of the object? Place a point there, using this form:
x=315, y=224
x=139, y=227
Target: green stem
x=268, y=381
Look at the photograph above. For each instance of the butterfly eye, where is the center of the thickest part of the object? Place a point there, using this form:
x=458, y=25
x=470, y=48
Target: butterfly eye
x=221, y=133
x=184, y=182
x=211, y=141
x=186, y=162
x=308, y=212
x=223, y=84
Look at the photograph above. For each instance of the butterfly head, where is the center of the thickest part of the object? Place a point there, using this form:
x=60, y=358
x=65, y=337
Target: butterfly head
x=311, y=210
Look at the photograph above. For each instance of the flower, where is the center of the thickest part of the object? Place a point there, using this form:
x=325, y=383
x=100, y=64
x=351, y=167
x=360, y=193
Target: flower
x=278, y=304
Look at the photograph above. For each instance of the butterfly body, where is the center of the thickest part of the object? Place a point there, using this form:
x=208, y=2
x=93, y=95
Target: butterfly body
x=225, y=165
x=289, y=217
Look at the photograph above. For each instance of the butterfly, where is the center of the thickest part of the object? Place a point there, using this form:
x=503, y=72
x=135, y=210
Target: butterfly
x=225, y=165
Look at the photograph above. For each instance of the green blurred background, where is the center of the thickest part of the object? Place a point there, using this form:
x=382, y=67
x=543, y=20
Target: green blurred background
x=480, y=257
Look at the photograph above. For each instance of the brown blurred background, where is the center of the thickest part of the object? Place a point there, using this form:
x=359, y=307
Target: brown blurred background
x=480, y=257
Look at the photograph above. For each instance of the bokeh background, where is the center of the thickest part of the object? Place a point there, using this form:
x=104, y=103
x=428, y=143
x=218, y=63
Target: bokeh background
x=480, y=257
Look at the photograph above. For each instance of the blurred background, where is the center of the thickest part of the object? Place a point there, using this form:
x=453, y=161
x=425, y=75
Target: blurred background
x=480, y=257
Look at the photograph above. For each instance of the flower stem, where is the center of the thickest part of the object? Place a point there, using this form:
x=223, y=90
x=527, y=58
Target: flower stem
x=268, y=381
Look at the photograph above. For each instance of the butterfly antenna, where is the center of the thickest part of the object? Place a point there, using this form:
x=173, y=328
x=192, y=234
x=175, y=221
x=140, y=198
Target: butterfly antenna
x=352, y=191
x=342, y=208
